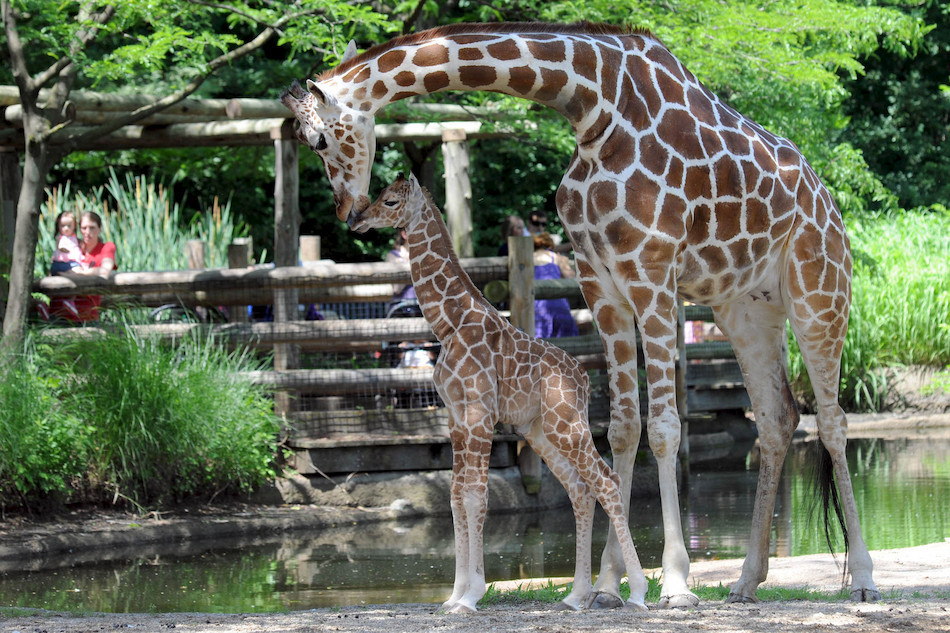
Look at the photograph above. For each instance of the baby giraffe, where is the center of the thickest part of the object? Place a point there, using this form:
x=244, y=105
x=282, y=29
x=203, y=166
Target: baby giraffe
x=489, y=372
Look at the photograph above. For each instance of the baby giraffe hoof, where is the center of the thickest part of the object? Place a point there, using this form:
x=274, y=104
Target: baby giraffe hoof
x=601, y=600
x=679, y=601
x=865, y=595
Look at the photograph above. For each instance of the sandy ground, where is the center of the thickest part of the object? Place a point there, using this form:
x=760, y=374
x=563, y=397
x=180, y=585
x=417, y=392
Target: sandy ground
x=915, y=583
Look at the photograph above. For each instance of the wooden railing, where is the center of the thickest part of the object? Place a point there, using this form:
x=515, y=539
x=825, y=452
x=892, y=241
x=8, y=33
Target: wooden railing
x=713, y=384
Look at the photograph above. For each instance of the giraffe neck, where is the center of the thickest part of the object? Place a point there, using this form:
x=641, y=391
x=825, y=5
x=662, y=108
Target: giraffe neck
x=445, y=292
x=561, y=68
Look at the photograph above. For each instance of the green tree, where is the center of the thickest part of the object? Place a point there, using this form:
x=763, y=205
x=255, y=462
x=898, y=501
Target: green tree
x=52, y=47
x=900, y=113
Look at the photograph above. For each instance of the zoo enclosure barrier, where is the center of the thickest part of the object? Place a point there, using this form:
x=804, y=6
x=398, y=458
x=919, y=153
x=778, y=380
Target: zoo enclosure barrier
x=338, y=344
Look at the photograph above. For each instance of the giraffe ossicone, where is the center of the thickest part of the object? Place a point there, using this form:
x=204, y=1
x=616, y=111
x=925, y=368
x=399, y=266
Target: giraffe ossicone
x=489, y=373
x=670, y=193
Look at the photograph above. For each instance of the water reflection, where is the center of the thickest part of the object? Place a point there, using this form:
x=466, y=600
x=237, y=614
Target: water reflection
x=901, y=486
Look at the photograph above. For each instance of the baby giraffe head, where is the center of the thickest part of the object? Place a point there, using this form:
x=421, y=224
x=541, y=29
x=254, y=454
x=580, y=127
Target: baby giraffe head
x=395, y=206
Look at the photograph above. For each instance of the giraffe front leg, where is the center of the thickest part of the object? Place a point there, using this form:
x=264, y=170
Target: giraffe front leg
x=624, y=438
x=664, y=432
x=658, y=331
x=471, y=451
x=460, y=528
x=617, y=329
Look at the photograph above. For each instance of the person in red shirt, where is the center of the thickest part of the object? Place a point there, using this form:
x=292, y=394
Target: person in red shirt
x=98, y=259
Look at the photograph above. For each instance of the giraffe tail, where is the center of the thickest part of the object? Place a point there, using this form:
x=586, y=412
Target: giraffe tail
x=826, y=494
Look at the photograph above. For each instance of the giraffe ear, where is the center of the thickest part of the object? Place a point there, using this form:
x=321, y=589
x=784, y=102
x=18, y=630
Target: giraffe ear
x=322, y=98
x=349, y=53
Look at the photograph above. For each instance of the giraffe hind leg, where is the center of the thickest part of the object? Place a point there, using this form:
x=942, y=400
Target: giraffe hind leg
x=824, y=370
x=756, y=330
x=819, y=319
x=582, y=503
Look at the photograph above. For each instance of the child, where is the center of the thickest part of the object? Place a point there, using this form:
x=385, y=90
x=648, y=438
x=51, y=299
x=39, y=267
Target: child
x=68, y=255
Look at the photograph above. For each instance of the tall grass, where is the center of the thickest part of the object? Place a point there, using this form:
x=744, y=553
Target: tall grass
x=148, y=227
x=122, y=417
x=900, y=312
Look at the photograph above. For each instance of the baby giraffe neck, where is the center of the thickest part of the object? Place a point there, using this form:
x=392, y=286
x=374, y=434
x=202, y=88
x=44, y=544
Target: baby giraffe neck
x=445, y=291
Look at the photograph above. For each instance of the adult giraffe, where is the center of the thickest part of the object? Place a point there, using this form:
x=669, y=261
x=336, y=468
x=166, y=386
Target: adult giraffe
x=670, y=191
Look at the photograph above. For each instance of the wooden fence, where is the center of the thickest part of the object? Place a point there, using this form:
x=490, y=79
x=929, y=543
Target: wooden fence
x=346, y=402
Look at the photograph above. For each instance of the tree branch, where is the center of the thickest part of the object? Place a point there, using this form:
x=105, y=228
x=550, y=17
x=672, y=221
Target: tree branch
x=82, y=39
x=170, y=100
x=21, y=74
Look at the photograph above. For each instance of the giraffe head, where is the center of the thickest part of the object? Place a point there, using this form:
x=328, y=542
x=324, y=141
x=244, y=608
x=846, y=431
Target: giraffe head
x=395, y=206
x=342, y=135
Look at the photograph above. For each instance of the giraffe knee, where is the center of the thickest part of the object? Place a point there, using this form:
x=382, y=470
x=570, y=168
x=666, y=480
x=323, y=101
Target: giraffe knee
x=624, y=434
x=664, y=435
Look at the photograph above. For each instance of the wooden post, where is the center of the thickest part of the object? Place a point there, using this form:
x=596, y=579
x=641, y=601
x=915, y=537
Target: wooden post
x=9, y=194
x=286, y=243
x=309, y=248
x=239, y=256
x=521, y=302
x=458, y=191
x=10, y=180
x=195, y=254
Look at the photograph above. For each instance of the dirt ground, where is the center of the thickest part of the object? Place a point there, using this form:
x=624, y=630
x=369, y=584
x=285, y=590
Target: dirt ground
x=915, y=581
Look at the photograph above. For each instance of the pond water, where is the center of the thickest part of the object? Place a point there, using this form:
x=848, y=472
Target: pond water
x=901, y=485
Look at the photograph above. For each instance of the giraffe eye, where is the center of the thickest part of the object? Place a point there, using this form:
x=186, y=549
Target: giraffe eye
x=391, y=203
x=321, y=143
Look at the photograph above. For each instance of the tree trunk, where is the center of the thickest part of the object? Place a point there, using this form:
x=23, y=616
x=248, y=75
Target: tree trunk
x=35, y=169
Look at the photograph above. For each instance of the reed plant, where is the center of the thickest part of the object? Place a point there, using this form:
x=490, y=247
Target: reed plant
x=147, y=226
x=171, y=421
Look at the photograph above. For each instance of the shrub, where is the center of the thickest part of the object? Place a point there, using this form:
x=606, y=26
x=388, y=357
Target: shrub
x=121, y=416
x=171, y=421
x=43, y=443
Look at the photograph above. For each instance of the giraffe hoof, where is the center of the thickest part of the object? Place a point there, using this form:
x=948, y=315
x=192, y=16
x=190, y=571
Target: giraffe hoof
x=601, y=600
x=865, y=595
x=737, y=598
x=458, y=607
x=634, y=606
x=679, y=601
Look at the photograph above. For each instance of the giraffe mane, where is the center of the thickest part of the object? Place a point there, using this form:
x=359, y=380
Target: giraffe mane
x=578, y=28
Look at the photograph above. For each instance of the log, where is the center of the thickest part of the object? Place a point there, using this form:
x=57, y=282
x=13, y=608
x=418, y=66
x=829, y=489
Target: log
x=199, y=283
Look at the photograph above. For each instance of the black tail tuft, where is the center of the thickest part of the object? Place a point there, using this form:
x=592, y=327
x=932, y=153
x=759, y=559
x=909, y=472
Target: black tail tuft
x=827, y=494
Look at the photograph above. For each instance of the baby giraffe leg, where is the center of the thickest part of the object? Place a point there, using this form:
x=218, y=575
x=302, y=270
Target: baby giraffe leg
x=582, y=502
x=471, y=451
x=606, y=485
x=460, y=525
